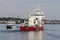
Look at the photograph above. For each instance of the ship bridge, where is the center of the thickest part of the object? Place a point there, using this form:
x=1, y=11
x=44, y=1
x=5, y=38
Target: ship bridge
x=36, y=12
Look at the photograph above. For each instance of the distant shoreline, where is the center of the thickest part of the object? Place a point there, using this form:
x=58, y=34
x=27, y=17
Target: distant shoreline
x=21, y=20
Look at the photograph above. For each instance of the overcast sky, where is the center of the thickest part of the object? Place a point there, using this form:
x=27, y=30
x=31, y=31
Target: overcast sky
x=21, y=8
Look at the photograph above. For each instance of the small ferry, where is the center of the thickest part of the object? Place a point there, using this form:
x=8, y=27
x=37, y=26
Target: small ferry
x=11, y=25
x=35, y=22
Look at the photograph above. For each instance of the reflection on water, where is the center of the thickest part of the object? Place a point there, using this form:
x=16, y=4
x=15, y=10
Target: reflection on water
x=24, y=36
x=51, y=32
x=36, y=35
x=39, y=35
x=31, y=35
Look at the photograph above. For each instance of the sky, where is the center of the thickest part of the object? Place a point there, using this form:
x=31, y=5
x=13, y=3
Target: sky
x=21, y=8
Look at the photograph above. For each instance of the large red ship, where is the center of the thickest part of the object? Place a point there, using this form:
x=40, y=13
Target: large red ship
x=35, y=22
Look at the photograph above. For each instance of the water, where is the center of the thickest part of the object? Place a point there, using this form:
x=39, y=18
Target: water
x=51, y=32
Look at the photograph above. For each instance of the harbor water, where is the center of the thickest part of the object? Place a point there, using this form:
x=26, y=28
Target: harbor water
x=51, y=32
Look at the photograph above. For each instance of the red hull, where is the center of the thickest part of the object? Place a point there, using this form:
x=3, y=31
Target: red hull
x=36, y=28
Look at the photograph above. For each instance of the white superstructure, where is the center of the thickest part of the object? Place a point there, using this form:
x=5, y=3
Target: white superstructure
x=36, y=17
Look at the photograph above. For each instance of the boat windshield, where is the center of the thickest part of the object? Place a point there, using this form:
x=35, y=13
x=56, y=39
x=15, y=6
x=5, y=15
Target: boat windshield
x=26, y=24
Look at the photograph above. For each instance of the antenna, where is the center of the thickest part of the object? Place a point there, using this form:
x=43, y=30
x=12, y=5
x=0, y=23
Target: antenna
x=37, y=7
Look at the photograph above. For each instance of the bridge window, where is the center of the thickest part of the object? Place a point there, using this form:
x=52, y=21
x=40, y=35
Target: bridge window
x=36, y=14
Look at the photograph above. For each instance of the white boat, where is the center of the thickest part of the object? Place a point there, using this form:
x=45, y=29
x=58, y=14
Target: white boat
x=11, y=25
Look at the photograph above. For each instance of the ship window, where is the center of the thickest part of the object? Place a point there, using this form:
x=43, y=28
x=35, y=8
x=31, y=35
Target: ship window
x=37, y=11
x=36, y=14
